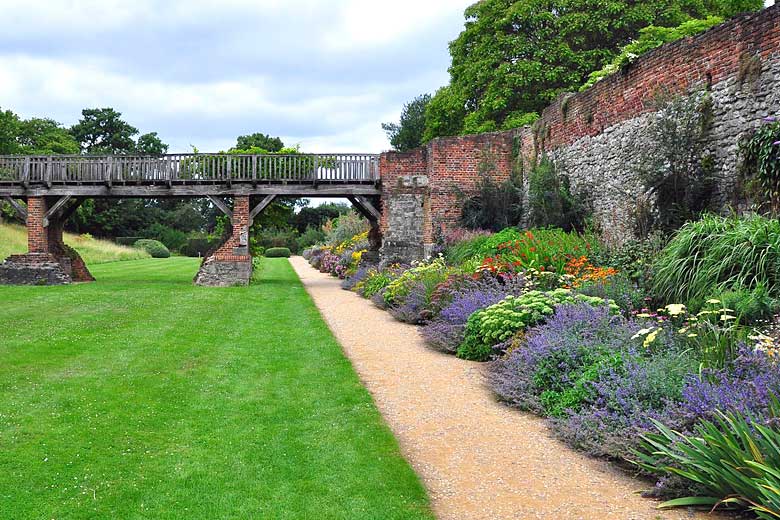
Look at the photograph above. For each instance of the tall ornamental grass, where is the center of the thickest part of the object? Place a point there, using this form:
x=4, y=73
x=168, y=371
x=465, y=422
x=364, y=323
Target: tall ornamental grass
x=13, y=241
x=716, y=254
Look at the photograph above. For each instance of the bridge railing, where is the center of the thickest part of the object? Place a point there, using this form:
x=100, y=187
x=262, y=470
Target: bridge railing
x=189, y=168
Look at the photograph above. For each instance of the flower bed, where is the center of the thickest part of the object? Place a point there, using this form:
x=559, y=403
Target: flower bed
x=576, y=333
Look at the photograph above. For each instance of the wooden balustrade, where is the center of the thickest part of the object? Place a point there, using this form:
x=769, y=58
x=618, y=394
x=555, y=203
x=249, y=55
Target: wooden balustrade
x=189, y=169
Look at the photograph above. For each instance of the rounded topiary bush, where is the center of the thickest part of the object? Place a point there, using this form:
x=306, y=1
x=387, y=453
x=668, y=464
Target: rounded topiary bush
x=153, y=247
x=277, y=252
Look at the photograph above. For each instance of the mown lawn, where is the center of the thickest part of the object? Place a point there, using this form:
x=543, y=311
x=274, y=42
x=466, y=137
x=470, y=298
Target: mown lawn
x=141, y=396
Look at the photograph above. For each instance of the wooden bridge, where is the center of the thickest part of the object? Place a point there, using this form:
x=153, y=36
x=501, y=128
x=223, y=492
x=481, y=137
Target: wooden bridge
x=190, y=175
x=241, y=186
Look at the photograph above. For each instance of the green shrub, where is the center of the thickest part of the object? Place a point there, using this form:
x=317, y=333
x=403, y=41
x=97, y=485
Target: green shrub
x=749, y=305
x=465, y=250
x=275, y=237
x=717, y=254
x=550, y=200
x=198, y=246
x=375, y=282
x=565, y=391
x=544, y=249
x=277, y=252
x=634, y=258
x=733, y=459
x=761, y=164
x=173, y=239
x=495, y=206
x=499, y=322
x=430, y=273
x=310, y=237
x=619, y=288
x=155, y=248
x=344, y=227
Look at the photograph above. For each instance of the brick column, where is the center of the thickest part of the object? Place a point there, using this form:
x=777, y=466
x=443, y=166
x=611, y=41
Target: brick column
x=37, y=235
x=231, y=263
x=48, y=260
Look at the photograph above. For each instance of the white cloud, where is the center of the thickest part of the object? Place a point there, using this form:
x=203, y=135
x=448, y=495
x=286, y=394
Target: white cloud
x=322, y=74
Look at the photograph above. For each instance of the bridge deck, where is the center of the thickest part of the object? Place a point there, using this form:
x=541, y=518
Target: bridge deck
x=190, y=175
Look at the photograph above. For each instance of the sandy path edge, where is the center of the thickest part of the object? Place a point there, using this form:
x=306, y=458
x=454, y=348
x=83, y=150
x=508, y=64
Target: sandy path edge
x=477, y=458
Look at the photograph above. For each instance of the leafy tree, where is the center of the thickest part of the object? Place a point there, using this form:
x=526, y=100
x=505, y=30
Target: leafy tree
x=258, y=140
x=151, y=144
x=445, y=113
x=515, y=56
x=102, y=130
x=316, y=216
x=43, y=136
x=9, y=132
x=408, y=133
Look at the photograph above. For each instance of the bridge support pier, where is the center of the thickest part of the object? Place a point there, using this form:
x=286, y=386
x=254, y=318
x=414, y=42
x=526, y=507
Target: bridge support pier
x=231, y=263
x=48, y=260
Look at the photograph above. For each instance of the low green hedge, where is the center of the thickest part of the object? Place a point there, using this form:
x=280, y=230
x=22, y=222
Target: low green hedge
x=277, y=252
x=153, y=247
x=127, y=241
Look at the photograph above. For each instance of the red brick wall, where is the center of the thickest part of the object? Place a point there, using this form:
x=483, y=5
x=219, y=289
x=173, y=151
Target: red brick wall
x=240, y=221
x=454, y=168
x=711, y=57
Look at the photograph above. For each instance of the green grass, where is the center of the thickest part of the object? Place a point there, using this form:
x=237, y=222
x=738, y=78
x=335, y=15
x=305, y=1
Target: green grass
x=142, y=396
x=13, y=240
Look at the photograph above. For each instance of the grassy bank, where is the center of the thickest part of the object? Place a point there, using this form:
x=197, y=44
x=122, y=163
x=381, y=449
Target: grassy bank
x=142, y=396
x=13, y=240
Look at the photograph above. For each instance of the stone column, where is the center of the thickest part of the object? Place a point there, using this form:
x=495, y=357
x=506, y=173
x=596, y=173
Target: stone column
x=48, y=260
x=231, y=263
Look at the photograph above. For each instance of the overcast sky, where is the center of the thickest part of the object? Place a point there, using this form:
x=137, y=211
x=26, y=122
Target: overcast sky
x=322, y=74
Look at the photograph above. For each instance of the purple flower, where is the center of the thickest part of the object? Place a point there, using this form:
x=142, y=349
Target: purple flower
x=776, y=143
x=770, y=119
x=413, y=306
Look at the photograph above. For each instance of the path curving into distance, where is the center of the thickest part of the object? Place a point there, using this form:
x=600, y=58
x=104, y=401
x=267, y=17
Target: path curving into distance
x=478, y=458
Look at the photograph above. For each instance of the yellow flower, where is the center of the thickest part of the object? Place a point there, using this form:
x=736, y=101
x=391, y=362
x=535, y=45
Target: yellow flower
x=675, y=309
x=651, y=338
x=640, y=333
x=713, y=301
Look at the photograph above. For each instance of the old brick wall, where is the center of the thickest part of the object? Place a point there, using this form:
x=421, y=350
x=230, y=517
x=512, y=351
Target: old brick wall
x=594, y=136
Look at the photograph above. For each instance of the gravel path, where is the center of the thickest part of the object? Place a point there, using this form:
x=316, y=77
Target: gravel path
x=477, y=458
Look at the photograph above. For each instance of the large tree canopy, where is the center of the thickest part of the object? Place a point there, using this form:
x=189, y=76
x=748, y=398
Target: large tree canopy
x=150, y=144
x=259, y=140
x=35, y=136
x=408, y=132
x=515, y=56
x=102, y=130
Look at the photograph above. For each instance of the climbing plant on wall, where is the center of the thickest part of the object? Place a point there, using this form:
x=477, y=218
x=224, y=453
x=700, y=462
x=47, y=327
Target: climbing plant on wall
x=761, y=164
x=673, y=164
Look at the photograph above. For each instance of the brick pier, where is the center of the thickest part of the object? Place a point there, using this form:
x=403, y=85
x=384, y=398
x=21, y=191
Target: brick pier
x=48, y=260
x=231, y=263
